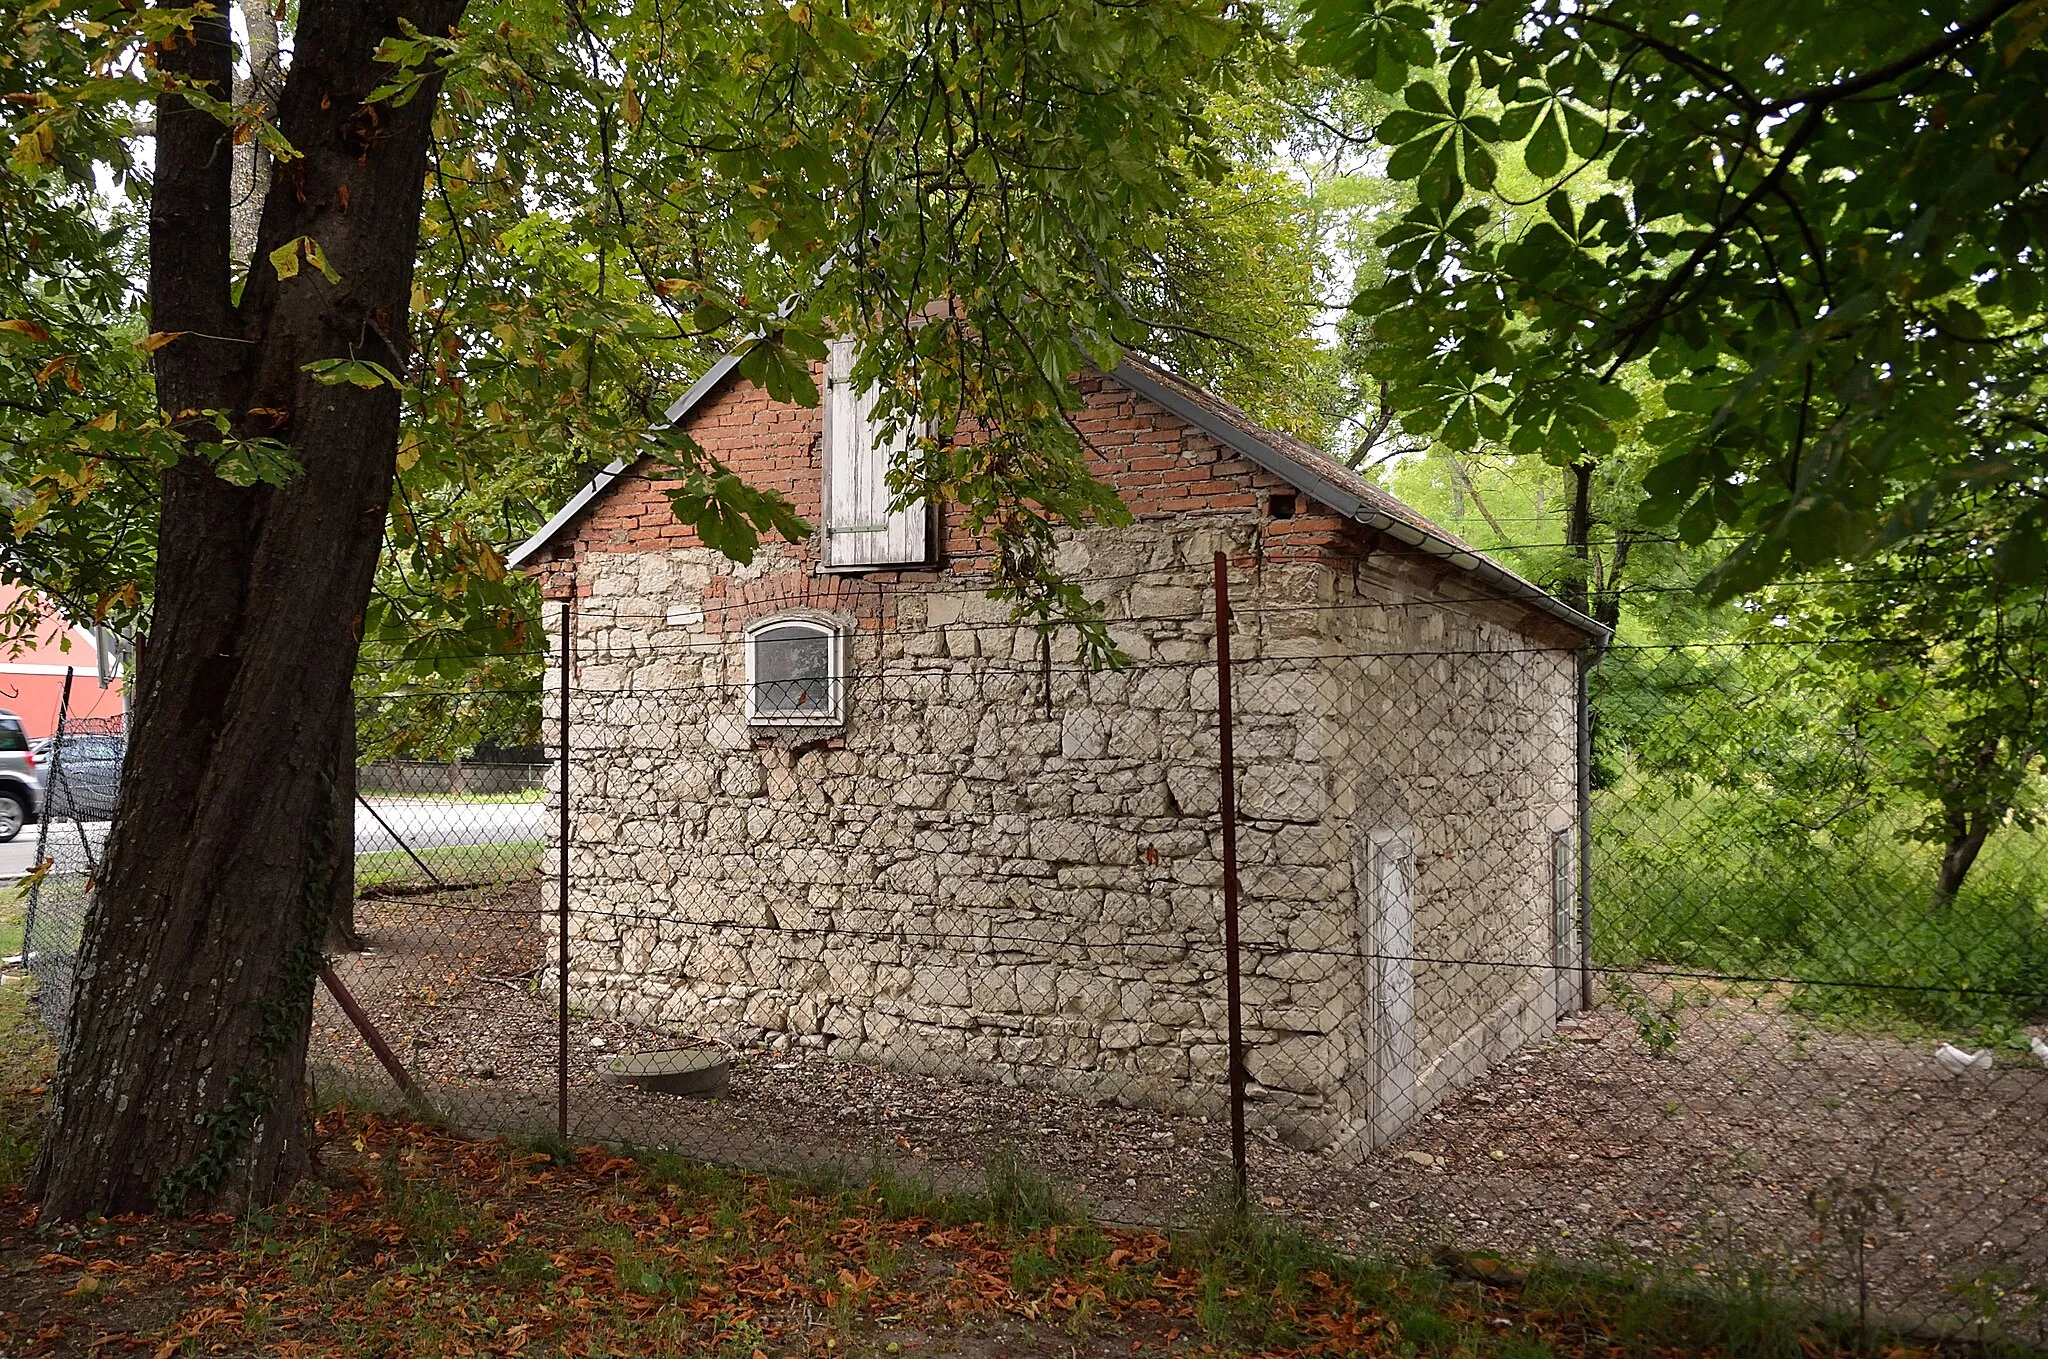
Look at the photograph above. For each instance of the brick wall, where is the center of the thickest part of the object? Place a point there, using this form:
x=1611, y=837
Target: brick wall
x=1161, y=466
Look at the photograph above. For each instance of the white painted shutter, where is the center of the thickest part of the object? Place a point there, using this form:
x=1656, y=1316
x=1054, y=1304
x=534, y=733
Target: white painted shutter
x=861, y=532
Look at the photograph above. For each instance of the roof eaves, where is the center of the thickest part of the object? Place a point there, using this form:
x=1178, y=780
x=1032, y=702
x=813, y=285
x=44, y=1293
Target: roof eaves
x=1507, y=582
x=597, y=485
x=1304, y=479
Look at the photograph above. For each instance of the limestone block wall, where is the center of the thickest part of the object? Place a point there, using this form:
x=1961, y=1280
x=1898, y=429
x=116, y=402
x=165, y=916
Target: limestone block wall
x=992, y=869
x=999, y=871
x=1454, y=781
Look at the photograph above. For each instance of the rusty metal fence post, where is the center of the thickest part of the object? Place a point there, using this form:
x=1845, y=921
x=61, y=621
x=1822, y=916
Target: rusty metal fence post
x=1227, y=808
x=562, y=888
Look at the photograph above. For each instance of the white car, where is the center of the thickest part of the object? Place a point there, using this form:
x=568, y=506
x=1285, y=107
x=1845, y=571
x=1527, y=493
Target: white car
x=20, y=783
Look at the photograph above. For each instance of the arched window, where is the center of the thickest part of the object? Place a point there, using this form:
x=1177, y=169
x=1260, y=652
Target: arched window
x=796, y=674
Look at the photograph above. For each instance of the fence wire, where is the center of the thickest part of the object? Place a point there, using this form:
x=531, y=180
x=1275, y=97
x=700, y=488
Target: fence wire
x=1686, y=990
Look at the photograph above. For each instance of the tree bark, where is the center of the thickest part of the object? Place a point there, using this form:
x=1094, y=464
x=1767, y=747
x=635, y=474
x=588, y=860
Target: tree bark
x=1462, y=480
x=182, y=1080
x=1957, y=858
x=1578, y=535
x=342, y=935
x=1968, y=827
x=258, y=87
x=1607, y=607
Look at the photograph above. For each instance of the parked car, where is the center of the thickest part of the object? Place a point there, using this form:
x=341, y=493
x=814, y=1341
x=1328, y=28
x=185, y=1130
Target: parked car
x=82, y=776
x=20, y=786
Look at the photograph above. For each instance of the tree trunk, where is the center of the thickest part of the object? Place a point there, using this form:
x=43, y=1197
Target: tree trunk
x=342, y=935
x=182, y=1082
x=257, y=87
x=1607, y=607
x=1578, y=535
x=1968, y=827
x=1956, y=859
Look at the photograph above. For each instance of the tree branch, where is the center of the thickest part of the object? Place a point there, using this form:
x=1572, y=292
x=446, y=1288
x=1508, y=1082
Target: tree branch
x=1968, y=31
x=1632, y=338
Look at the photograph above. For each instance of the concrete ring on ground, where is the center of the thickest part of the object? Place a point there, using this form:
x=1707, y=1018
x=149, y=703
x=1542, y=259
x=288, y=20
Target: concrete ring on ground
x=685, y=1071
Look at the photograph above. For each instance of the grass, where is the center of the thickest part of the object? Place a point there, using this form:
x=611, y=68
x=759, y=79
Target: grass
x=1715, y=883
x=452, y=863
x=415, y=1241
x=13, y=913
x=26, y=1058
x=408, y=1244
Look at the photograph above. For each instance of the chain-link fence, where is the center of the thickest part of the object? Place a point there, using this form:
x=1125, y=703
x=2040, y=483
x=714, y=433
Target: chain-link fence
x=1701, y=986
x=80, y=775
x=425, y=832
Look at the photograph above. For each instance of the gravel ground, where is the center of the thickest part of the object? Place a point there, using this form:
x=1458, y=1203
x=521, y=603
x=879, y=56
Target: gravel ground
x=1756, y=1143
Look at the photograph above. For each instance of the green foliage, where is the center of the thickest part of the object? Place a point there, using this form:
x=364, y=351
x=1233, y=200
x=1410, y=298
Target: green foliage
x=1236, y=294
x=1842, y=785
x=81, y=441
x=989, y=196
x=554, y=1147
x=559, y=303
x=1656, y=1025
x=1762, y=812
x=1817, y=233
x=1944, y=686
x=436, y=1218
x=621, y=195
x=1255, y=1271
x=617, y=195
x=1722, y=883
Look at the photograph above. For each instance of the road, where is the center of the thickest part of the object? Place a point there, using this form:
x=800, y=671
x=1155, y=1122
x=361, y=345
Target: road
x=422, y=823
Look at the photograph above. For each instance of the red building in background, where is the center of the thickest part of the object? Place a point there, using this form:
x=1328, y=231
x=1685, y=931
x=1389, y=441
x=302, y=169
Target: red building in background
x=32, y=673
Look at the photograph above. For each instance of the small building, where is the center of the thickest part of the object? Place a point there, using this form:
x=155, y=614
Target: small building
x=34, y=665
x=837, y=798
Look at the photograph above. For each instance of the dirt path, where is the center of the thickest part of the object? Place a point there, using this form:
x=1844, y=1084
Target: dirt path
x=1756, y=1143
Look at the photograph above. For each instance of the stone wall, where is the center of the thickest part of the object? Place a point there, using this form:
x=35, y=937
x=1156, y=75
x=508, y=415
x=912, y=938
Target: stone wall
x=1453, y=777
x=1004, y=869
x=1000, y=872
x=992, y=869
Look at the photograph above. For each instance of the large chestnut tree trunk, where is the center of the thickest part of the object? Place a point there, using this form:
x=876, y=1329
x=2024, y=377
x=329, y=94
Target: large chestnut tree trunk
x=182, y=1082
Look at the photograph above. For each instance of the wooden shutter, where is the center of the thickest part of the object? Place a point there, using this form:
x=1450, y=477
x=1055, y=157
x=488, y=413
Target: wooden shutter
x=861, y=532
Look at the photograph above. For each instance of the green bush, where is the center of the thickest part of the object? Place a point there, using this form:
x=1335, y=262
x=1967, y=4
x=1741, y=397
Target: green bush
x=1717, y=882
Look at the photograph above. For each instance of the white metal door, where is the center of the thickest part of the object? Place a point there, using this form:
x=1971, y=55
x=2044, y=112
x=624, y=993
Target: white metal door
x=1564, y=925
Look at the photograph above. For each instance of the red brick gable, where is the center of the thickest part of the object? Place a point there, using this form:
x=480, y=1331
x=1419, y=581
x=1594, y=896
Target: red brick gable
x=1160, y=465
